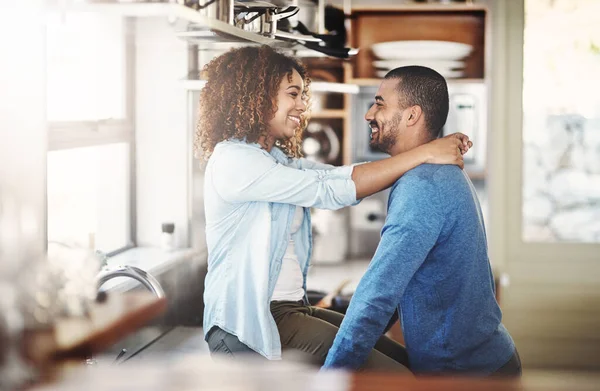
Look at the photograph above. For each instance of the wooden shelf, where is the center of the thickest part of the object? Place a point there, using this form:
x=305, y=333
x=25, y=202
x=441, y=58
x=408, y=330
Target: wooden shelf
x=368, y=82
x=455, y=23
x=107, y=323
x=328, y=113
x=420, y=8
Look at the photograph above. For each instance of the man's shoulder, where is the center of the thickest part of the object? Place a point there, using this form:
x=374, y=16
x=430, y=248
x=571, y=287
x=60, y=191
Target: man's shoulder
x=433, y=174
x=430, y=180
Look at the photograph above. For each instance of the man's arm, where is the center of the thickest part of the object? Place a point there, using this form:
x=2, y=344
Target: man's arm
x=412, y=227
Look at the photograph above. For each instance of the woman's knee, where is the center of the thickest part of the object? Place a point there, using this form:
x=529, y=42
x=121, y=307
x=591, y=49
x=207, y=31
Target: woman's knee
x=221, y=342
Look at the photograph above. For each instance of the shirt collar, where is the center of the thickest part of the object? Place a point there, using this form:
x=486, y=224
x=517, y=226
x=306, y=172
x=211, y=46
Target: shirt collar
x=276, y=152
x=279, y=155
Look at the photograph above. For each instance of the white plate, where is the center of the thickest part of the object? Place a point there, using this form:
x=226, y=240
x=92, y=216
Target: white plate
x=448, y=74
x=434, y=64
x=439, y=50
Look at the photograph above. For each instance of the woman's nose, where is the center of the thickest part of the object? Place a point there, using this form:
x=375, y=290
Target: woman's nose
x=301, y=105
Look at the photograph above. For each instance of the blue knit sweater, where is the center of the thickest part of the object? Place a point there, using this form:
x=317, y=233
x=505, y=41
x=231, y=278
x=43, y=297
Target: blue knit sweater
x=432, y=263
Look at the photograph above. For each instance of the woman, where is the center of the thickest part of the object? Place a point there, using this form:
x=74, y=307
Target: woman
x=257, y=198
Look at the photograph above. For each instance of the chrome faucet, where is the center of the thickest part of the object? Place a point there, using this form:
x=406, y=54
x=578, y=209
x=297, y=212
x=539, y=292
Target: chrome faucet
x=132, y=272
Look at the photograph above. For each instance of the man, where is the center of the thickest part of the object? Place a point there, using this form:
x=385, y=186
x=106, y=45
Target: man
x=432, y=261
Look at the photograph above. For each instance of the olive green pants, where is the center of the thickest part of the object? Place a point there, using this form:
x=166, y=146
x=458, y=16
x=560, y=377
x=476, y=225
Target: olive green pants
x=308, y=332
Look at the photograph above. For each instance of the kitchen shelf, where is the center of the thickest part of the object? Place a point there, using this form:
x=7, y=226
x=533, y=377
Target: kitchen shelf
x=455, y=23
x=317, y=86
x=141, y=10
x=328, y=113
x=420, y=7
x=340, y=88
x=369, y=82
x=204, y=30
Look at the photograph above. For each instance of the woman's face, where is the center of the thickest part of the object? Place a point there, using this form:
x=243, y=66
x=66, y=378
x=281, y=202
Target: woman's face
x=290, y=105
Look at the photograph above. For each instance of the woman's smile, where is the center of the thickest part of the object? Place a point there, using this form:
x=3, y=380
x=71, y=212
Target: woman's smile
x=295, y=119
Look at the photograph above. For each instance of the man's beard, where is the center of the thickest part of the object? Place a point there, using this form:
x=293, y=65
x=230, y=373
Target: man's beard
x=386, y=140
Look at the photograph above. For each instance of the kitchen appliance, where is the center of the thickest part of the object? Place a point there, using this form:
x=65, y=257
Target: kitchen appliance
x=321, y=143
x=467, y=114
x=330, y=236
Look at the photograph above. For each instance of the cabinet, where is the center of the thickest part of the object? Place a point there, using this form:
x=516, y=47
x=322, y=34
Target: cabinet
x=457, y=23
x=463, y=23
x=330, y=111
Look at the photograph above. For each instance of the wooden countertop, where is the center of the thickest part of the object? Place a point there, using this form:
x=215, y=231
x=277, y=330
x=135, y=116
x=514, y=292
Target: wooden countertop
x=383, y=382
x=110, y=321
x=200, y=372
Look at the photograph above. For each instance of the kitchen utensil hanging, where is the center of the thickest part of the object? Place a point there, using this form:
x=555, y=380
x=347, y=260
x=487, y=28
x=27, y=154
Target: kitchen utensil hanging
x=226, y=22
x=261, y=17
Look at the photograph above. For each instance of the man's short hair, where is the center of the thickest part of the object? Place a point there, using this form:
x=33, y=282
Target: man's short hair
x=424, y=87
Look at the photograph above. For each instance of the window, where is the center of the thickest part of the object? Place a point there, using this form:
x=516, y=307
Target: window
x=85, y=67
x=561, y=121
x=90, y=127
x=89, y=196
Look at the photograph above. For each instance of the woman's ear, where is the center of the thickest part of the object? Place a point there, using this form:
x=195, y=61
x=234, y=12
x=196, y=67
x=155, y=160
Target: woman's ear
x=414, y=114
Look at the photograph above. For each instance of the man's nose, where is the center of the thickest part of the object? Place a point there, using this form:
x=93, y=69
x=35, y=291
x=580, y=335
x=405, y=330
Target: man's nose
x=370, y=116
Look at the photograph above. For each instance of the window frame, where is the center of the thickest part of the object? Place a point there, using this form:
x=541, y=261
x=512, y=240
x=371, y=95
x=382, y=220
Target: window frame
x=77, y=134
x=523, y=261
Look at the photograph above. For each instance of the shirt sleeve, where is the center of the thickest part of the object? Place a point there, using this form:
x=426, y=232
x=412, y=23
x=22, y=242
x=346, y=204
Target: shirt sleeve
x=313, y=165
x=412, y=227
x=244, y=174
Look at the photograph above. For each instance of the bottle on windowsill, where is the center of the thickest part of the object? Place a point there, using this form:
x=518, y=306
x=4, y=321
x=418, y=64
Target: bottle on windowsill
x=167, y=241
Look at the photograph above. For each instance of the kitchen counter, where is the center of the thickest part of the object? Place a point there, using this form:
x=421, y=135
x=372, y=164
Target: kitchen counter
x=153, y=260
x=81, y=337
x=203, y=373
x=326, y=277
x=180, y=273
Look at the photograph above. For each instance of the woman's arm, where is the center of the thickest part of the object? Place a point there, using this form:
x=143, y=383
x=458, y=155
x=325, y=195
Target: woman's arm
x=242, y=173
x=373, y=177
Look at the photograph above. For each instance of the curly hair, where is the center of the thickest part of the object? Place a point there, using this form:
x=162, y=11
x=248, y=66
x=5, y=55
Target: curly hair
x=239, y=98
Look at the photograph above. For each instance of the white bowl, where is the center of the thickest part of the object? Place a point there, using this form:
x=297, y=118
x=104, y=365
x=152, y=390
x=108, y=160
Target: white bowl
x=448, y=73
x=433, y=64
x=439, y=50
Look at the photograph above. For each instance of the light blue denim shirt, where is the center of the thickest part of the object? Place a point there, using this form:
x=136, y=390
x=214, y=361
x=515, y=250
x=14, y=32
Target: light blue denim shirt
x=250, y=198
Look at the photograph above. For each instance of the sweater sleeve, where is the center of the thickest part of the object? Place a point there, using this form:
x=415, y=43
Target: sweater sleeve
x=412, y=227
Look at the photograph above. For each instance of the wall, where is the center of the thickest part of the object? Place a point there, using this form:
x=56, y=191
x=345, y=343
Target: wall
x=23, y=138
x=162, y=161
x=552, y=306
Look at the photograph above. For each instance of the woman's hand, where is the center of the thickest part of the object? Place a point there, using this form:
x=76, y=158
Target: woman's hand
x=466, y=143
x=448, y=150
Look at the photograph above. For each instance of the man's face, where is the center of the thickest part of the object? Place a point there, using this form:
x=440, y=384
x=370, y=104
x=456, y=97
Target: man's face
x=385, y=117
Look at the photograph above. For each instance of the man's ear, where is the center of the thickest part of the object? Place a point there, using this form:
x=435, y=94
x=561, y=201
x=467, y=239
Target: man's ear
x=414, y=114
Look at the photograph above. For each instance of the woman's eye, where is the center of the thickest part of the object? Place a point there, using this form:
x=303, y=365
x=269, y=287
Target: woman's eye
x=294, y=94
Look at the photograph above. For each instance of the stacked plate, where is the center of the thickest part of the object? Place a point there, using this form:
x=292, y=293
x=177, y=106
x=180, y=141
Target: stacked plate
x=443, y=56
